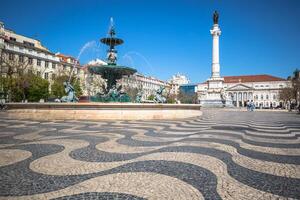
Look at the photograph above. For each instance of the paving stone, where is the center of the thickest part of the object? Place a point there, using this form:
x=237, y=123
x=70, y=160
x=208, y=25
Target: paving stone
x=220, y=155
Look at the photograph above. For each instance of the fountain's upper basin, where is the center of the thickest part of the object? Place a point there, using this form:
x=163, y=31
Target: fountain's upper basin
x=114, y=70
x=112, y=41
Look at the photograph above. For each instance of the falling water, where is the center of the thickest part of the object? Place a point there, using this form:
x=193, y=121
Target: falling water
x=83, y=48
x=127, y=55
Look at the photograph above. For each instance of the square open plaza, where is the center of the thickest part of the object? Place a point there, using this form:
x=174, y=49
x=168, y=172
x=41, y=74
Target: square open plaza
x=152, y=110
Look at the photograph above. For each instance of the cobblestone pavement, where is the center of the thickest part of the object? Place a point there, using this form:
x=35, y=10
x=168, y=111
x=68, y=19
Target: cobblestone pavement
x=220, y=155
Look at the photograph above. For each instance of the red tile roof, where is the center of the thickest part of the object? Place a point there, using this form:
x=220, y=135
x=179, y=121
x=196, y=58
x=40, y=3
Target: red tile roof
x=65, y=57
x=251, y=78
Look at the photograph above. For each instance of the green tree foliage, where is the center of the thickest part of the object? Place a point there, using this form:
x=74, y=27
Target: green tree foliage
x=292, y=93
x=58, y=90
x=38, y=89
x=151, y=97
x=26, y=87
x=171, y=99
x=187, y=98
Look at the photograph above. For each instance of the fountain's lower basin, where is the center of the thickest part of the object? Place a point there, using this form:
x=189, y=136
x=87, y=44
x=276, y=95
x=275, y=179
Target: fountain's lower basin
x=99, y=111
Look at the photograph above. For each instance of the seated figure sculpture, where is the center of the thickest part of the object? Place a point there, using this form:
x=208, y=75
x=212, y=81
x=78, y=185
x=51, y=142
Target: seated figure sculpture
x=139, y=97
x=71, y=97
x=158, y=96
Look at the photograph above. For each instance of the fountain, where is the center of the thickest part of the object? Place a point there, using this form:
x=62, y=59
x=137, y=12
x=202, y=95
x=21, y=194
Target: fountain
x=111, y=71
x=104, y=111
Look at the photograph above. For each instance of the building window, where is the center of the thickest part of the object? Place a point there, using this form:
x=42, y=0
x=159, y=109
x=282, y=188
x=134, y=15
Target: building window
x=29, y=71
x=21, y=58
x=11, y=56
x=30, y=61
x=64, y=67
x=274, y=96
x=53, y=65
x=46, y=64
x=12, y=39
x=256, y=97
x=267, y=97
x=262, y=97
x=52, y=76
x=38, y=62
x=267, y=104
x=46, y=75
x=38, y=73
x=28, y=43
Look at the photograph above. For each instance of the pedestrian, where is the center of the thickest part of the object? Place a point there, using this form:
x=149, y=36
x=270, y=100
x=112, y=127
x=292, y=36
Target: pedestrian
x=252, y=105
x=248, y=105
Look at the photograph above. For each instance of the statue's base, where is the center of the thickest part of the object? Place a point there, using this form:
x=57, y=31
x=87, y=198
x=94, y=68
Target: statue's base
x=214, y=100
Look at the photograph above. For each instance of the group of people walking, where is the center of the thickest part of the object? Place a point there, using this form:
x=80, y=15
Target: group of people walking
x=250, y=105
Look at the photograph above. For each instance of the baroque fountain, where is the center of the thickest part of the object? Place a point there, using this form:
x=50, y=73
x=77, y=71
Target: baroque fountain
x=117, y=110
x=111, y=72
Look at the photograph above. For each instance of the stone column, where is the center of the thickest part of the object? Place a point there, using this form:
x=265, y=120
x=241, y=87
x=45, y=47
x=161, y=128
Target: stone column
x=242, y=99
x=215, y=67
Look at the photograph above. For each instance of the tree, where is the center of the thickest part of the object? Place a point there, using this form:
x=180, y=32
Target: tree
x=184, y=97
x=18, y=82
x=287, y=95
x=171, y=98
x=58, y=90
x=292, y=93
x=38, y=88
x=131, y=92
x=296, y=85
x=151, y=97
x=13, y=71
x=95, y=84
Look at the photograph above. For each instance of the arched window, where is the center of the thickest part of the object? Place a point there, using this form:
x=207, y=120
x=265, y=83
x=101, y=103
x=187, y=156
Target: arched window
x=262, y=97
x=245, y=96
x=250, y=95
x=274, y=96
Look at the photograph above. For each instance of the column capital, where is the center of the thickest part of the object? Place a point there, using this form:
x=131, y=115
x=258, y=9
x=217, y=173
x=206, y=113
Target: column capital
x=215, y=30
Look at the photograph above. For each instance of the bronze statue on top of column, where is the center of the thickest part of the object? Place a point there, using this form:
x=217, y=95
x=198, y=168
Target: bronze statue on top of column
x=216, y=17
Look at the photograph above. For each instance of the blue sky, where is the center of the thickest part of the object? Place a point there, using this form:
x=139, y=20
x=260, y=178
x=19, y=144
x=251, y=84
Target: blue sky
x=165, y=37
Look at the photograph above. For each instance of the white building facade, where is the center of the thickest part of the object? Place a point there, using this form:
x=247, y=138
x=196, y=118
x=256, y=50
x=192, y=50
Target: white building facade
x=147, y=84
x=176, y=81
x=263, y=90
x=29, y=52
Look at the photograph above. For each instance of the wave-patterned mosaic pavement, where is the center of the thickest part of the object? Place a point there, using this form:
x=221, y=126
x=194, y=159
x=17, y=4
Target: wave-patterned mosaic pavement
x=220, y=155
